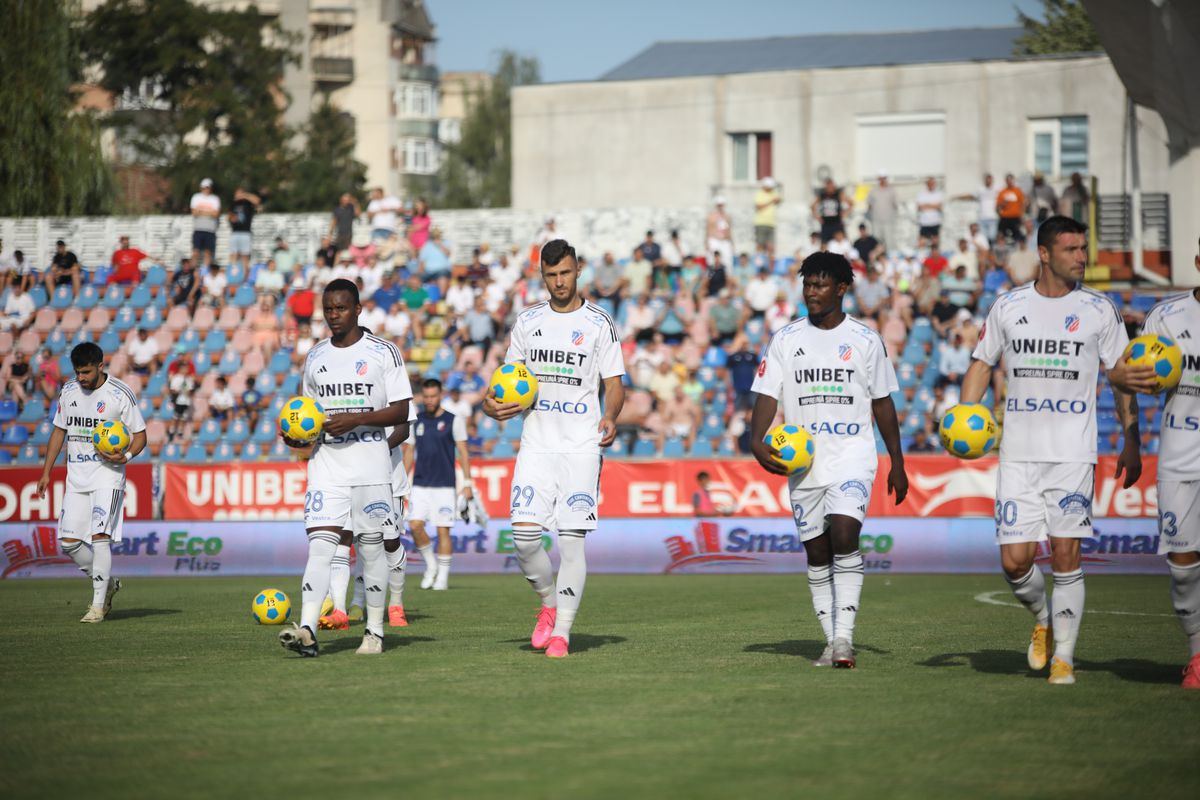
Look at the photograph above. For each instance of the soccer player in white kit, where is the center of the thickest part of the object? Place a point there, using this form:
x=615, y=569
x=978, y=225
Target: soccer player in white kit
x=93, y=506
x=1052, y=334
x=832, y=375
x=361, y=382
x=573, y=349
x=1178, y=317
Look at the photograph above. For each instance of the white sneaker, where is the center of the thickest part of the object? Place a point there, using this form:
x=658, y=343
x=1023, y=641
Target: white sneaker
x=93, y=614
x=826, y=657
x=428, y=578
x=372, y=645
x=442, y=582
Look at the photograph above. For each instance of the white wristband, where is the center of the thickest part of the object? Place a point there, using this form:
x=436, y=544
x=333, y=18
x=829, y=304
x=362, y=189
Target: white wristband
x=128, y=456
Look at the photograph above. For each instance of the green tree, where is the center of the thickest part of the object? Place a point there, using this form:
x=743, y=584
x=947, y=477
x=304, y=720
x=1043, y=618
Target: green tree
x=326, y=166
x=200, y=91
x=1067, y=29
x=477, y=171
x=50, y=157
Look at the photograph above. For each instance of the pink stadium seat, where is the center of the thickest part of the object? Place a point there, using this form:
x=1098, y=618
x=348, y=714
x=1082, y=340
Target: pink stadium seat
x=243, y=340
x=208, y=384
x=166, y=340
x=199, y=409
x=177, y=319
x=249, y=317
x=203, y=319
x=72, y=321
x=29, y=342
x=156, y=433
x=252, y=362
x=230, y=318
x=237, y=383
x=118, y=363
x=45, y=320
x=98, y=319
x=6, y=341
x=134, y=382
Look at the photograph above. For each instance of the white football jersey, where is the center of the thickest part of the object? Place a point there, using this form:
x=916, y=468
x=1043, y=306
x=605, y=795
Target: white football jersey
x=1178, y=317
x=366, y=376
x=570, y=355
x=1052, y=347
x=825, y=382
x=401, y=485
x=79, y=411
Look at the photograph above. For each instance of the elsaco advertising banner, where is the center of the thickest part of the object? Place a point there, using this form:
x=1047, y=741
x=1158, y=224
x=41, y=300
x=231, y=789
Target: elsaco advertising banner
x=680, y=546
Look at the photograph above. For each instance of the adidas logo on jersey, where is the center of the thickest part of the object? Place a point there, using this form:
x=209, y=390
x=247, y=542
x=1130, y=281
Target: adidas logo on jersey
x=1184, y=335
x=569, y=592
x=306, y=587
x=1086, y=522
x=74, y=404
x=799, y=352
x=1023, y=321
x=591, y=517
x=538, y=332
x=322, y=370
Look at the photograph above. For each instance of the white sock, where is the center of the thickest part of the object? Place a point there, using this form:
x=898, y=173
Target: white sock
x=360, y=592
x=1185, y=597
x=427, y=554
x=1030, y=589
x=396, y=563
x=1067, y=605
x=339, y=577
x=81, y=553
x=572, y=577
x=321, y=547
x=847, y=593
x=375, y=575
x=820, y=583
x=443, y=568
x=101, y=569
x=535, y=564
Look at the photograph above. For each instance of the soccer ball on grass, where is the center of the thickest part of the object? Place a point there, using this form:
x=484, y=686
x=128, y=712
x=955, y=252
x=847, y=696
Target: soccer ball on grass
x=796, y=448
x=301, y=420
x=1160, y=352
x=514, y=383
x=968, y=430
x=111, y=438
x=271, y=607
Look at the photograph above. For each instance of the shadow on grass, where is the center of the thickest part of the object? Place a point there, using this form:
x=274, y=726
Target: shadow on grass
x=134, y=613
x=1012, y=662
x=390, y=642
x=580, y=642
x=803, y=648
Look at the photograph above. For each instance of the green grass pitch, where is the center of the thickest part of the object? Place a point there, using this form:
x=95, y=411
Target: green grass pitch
x=677, y=686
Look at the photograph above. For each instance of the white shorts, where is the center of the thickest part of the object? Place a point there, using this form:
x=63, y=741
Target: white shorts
x=557, y=491
x=812, y=504
x=85, y=514
x=240, y=243
x=1178, y=516
x=359, y=509
x=1036, y=500
x=400, y=506
x=434, y=505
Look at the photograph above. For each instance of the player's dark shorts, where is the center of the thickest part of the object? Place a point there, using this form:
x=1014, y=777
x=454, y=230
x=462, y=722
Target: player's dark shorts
x=204, y=241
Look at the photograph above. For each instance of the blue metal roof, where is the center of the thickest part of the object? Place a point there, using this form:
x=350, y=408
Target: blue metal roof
x=820, y=51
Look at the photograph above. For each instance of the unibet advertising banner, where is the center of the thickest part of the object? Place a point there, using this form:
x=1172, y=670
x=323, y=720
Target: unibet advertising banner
x=680, y=546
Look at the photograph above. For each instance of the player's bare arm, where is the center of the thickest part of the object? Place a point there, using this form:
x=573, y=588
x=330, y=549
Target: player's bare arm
x=614, y=399
x=398, y=435
x=884, y=411
x=975, y=382
x=395, y=414
x=761, y=418
x=1132, y=379
x=500, y=411
x=1130, y=459
x=464, y=461
x=53, y=448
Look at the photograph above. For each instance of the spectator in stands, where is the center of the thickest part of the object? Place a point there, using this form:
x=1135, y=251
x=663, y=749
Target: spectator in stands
x=651, y=251
x=372, y=316
x=867, y=246
x=672, y=256
x=398, y=322
x=469, y=382
x=265, y=326
x=995, y=280
x=872, y=296
x=18, y=310
x=637, y=275
x=23, y=271
x=609, y=282
x=269, y=281
x=49, y=375
x=766, y=211
x=645, y=361
x=742, y=363
x=831, y=208
x=922, y=442
x=241, y=219
x=724, y=319
x=303, y=343
x=18, y=378
x=64, y=269
x=935, y=263
x=460, y=297
x=1076, y=200
x=144, y=354
x=221, y=402
x=127, y=264
x=640, y=319
x=251, y=403
x=327, y=253
x=416, y=296
x=478, y=325
x=419, y=225
x=505, y=273
x=930, y=202
x=284, y=258
x=1043, y=200
x=664, y=382
x=716, y=278
x=760, y=293
x=882, y=211
x=185, y=286
x=691, y=277
x=206, y=217
x=681, y=416
x=1010, y=206
x=383, y=214
x=961, y=290
x=1022, y=263
x=943, y=313
x=341, y=221
x=477, y=271
x=214, y=286
x=741, y=272
x=985, y=200
x=841, y=245
x=1132, y=317
x=780, y=313
x=389, y=292
x=953, y=360
x=181, y=384
x=453, y=402
x=966, y=257
x=301, y=303
x=435, y=256
x=718, y=231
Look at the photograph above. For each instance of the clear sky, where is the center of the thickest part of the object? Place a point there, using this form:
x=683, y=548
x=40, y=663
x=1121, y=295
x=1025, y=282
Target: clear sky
x=582, y=39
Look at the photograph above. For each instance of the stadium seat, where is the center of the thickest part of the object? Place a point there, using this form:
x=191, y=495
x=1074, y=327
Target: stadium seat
x=229, y=364
x=125, y=320
x=65, y=366
x=235, y=274
x=204, y=318
x=8, y=410
x=98, y=319
x=195, y=453
x=155, y=276
x=223, y=453
x=265, y=432
x=701, y=448
x=189, y=340
x=202, y=362
x=45, y=320
x=280, y=362
x=6, y=458
x=503, y=449
x=229, y=318
x=251, y=451
x=1142, y=302
x=617, y=449
x=98, y=276
x=252, y=362
x=14, y=435
x=171, y=452
x=238, y=432
x=62, y=298
x=72, y=320
x=34, y=410
x=209, y=433
x=41, y=434
x=244, y=297
x=714, y=357
x=643, y=448
x=488, y=428
x=82, y=335
x=29, y=455
x=89, y=296
x=114, y=297
x=38, y=295
x=673, y=448
x=140, y=296
x=157, y=383
x=151, y=319
x=156, y=432
x=291, y=385
x=146, y=406
x=29, y=342
x=242, y=341
x=513, y=428
x=166, y=410
x=214, y=342
x=178, y=319
x=55, y=342
x=713, y=427
x=726, y=450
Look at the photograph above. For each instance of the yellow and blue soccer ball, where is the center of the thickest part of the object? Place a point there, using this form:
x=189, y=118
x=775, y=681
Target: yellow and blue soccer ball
x=1160, y=352
x=968, y=430
x=795, y=447
x=514, y=383
x=111, y=438
x=271, y=607
x=301, y=420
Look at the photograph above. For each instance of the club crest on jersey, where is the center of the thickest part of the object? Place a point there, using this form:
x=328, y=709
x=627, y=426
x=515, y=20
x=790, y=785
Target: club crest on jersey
x=100, y=407
x=1072, y=323
x=580, y=501
x=1075, y=504
x=577, y=338
x=360, y=367
x=856, y=488
x=762, y=368
x=378, y=511
x=845, y=352
x=98, y=515
x=441, y=426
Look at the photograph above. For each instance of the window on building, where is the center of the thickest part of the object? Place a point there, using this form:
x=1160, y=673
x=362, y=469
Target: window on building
x=1058, y=146
x=750, y=156
x=415, y=101
x=450, y=130
x=907, y=147
x=420, y=156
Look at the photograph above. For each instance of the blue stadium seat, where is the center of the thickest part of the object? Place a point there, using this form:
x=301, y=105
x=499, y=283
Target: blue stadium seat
x=726, y=449
x=244, y=297
x=140, y=297
x=256, y=268
x=14, y=435
x=238, y=432
x=152, y=319
x=100, y=275
x=281, y=361
x=156, y=384
x=617, y=448
x=251, y=451
x=195, y=453
x=34, y=410
x=1152, y=448
x=114, y=297
x=62, y=298
x=503, y=449
x=277, y=405
x=922, y=331
x=279, y=451
x=235, y=274
x=701, y=448
x=488, y=428
x=291, y=385
x=265, y=433
x=81, y=336
x=605, y=304
x=155, y=276
x=146, y=406
x=110, y=341
x=643, y=448
x=209, y=433
x=5, y=458
x=8, y=410
x=1142, y=302
x=513, y=428
x=224, y=453
x=171, y=452
x=56, y=341
x=673, y=448
x=230, y=363
x=41, y=434
x=160, y=300
x=89, y=296
x=125, y=320
x=65, y=366
x=265, y=383
x=166, y=410
x=712, y=427
x=29, y=455
x=38, y=295
x=714, y=357
x=189, y=340
x=215, y=341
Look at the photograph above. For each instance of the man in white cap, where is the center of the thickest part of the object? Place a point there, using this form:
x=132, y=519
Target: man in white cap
x=719, y=232
x=206, y=215
x=766, y=205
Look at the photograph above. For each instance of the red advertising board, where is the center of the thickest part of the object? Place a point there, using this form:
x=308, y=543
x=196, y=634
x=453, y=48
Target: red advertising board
x=939, y=486
x=19, y=501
